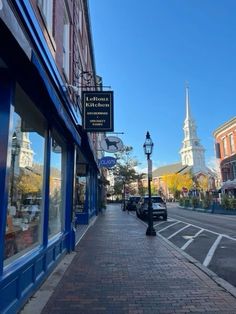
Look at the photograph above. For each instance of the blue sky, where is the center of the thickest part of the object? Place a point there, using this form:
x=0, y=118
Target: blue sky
x=147, y=50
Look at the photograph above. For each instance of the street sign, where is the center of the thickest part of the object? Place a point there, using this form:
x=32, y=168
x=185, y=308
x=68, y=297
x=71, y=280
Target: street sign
x=107, y=162
x=97, y=111
x=111, y=144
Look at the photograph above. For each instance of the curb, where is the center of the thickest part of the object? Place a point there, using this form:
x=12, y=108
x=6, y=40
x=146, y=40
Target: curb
x=220, y=281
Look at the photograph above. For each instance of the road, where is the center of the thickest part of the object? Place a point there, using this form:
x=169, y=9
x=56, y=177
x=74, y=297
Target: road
x=209, y=238
x=222, y=224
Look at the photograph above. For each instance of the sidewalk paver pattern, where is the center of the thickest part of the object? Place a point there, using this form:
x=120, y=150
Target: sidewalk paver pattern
x=118, y=269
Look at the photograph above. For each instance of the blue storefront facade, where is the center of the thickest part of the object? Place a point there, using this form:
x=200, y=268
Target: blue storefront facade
x=48, y=167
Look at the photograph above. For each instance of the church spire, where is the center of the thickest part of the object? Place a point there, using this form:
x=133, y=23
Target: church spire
x=188, y=113
x=192, y=152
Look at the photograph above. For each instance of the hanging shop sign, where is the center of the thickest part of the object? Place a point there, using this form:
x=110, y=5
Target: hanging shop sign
x=97, y=111
x=111, y=144
x=107, y=162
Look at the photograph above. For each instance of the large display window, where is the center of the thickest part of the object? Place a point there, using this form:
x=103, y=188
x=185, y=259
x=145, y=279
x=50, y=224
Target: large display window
x=56, y=194
x=26, y=173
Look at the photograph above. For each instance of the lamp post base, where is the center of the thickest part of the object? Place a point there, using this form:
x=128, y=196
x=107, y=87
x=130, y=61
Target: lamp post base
x=151, y=231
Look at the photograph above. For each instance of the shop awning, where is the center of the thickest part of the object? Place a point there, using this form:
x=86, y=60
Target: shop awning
x=229, y=185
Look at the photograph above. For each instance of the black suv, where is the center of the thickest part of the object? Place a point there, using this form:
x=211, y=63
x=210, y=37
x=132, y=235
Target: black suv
x=132, y=202
x=159, y=208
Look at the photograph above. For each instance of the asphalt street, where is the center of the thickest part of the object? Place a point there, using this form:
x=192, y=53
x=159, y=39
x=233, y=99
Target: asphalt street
x=208, y=238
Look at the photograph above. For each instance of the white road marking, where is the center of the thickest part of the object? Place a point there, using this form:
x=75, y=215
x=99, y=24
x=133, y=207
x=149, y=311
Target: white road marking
x=191, y=240
x=217, y=233
x=212, y=250
x=171, y=236
x=160, y=223
x=177, y=222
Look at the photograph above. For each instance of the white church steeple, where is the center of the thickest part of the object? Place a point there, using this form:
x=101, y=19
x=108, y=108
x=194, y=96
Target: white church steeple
x=192, y=152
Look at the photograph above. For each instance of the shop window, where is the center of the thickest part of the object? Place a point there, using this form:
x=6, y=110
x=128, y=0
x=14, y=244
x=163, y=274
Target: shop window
x=25, y=186
x=56, y=196
x=80, y=185
x=234, y=170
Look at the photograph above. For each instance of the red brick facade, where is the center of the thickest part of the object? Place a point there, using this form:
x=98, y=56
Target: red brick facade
x=225, y=138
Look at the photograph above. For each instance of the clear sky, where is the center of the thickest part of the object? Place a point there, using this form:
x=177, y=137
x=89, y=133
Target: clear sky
x=147, y=50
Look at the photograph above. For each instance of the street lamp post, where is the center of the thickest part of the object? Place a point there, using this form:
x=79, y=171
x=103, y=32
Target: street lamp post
x=14, y=153
x=148, y=146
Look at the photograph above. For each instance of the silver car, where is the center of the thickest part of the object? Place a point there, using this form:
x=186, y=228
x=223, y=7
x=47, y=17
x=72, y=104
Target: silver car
x=159, y=207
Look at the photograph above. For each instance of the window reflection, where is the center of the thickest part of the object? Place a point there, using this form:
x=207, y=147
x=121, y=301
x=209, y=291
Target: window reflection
x=56, y=186
x=80, y=184
x=24, y=210
x=80, y=193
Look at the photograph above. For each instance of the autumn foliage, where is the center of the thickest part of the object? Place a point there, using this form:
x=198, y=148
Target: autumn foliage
x=176, y=182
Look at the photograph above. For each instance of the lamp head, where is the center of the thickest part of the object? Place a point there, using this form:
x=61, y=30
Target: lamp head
x=148, y=145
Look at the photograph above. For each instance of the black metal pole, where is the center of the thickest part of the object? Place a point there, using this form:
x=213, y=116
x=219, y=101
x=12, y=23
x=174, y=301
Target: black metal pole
x=124, y=198
x=150, y=230
x=12, y=177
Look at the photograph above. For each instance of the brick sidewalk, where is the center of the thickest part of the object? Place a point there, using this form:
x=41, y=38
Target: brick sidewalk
x=118, y=269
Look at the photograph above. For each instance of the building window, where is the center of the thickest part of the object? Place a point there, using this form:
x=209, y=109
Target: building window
x=231, y=143
x=225, y=147
x=234, y=170
x=86, y=54
x=46, y=8
x=66, y=44
x=25, y=186
x=56, y=186
x=80, y=22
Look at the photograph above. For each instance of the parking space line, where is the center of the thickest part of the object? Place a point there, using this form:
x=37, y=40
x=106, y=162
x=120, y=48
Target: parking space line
x=171, y=236
x=217, y=233
x=159, y=223
x=191, y=240
x=177, y=222
x=212, y=251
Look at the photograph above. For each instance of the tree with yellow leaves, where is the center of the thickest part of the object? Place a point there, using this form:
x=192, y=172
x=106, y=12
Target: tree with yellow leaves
x=176, y=181
x=202, y=182
x=29, y=183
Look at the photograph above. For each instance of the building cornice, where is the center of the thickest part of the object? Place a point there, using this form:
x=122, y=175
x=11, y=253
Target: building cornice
x=224, y=126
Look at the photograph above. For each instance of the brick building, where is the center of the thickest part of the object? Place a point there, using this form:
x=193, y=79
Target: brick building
x=225, y=138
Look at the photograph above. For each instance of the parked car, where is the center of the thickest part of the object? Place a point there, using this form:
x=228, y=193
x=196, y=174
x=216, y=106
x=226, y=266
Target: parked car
x=159, y=207
x=133, y=202
x=31, y=207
